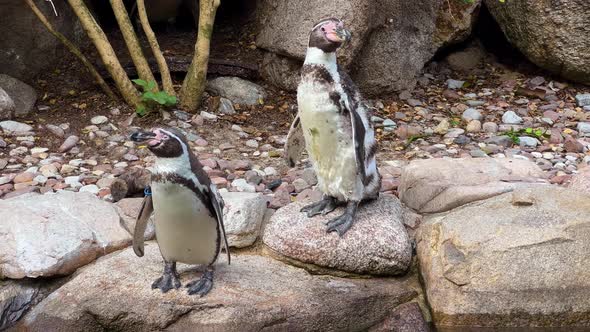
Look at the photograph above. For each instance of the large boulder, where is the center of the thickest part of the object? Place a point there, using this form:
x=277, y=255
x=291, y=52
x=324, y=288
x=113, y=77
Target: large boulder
x=438, y=185
x=376, y=244
x=515, y=260
x=581, y=181
x=54, y=234
x=23, y=95
x=253, y=293
x=552, y=34
x=7, y=106
x=242, y=216
x=27, y=47
x=238, y=90
x=392, y=40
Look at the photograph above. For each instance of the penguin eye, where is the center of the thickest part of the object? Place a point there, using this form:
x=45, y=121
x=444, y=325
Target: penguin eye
x=323, y=29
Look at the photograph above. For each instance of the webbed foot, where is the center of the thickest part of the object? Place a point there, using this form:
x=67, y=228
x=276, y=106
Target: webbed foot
x=343, y=223
x=201, y=286
x=323, y=207
x=169, y=279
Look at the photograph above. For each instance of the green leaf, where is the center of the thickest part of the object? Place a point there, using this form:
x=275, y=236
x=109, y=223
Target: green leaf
x=150, y=96
x=160, y=97
x=151, y=85
x=140, y=82
x=141, y=110
x=529, y=130
x=170, y=100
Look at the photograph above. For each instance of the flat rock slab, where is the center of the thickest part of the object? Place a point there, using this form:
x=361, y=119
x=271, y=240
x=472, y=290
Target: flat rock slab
x=377, y=243
x=54, y=234
x=253, y=293
x=438, y=185
x=516, y=260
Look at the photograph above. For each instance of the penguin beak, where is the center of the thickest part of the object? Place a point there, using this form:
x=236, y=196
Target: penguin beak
x=142, y=136
x=343, y=34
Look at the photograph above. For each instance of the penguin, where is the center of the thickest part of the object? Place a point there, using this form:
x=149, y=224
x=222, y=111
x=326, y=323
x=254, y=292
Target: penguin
x=188, y=211
x=338, y=136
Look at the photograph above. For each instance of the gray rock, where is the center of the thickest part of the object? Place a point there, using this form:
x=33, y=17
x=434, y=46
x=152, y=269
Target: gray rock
x=226, y=106
x=252, y=143
x=281, y=71
x=405, y=318
x=502, y=140
x=60, y=232
x=528, y=141
x=18, y=296
x=510, y=117
x=389, y=123
x=90, y=188
x=244, y=298
x=23, y=95
x=293, y=237
x=208, y=116
x=28, y=48
x=243, y=216
x=454, y=84
x=237, y=90
x=539, y=31
x=583, y=127
x=471, y=114
x=583, y=99
x=69, y=143
x=7, y=106
x=13, y=126
x=99, y=119
x=243, y=186
x=460, y=181
x=128, y=209
x=517, y=260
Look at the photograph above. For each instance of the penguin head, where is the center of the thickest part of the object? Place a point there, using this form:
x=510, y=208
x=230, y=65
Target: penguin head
x=163, y=142
x=328, y=35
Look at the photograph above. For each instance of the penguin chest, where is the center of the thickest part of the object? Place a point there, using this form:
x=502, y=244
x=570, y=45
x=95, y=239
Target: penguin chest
x=329, y=142
x=185, y=229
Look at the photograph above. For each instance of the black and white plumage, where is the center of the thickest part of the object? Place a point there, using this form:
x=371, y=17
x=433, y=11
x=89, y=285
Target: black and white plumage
x=188, y=210
x=339, y=137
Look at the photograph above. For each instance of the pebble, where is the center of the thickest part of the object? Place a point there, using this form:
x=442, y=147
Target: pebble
x=121, y=164
x=208, y=116
x=490, y=127
x=73, y=181
x=13, y=126
x=181, y=115
x=56, y=130
x=237, y=128
x=503, y=140
x=584, y=127
x=376, y=119
x=69, y=143
x=583, y=99
x=100, y=119
x=24, y=177
x=243, y=186
x=201, y=142
x=475, y=103
x=226, y=106
x=389, y=124
x=510, y=117
x=300, y=185
x=572, y=145
x=471, y=114
x=251, y=143
x=197, y=120
x=528, y=141
x=454, y=84
x=474, y=126
x=270, y=171
x=442, y=127
x=90, y=188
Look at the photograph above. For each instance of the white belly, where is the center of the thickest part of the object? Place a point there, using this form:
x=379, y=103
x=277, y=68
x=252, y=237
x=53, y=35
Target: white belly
x=328, y=138
x=185, y=231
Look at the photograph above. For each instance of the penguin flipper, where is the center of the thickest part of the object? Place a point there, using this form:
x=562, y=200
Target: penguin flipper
x=295, y=143
x=218, y=204
x=358, y=137
x=147, y=207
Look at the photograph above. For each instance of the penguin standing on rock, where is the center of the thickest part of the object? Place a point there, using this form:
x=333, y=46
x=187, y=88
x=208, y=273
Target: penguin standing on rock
x=188, y=211
x=338, y=135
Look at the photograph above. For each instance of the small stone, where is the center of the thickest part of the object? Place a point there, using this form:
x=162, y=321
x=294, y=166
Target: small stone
x=442, y=127
x=251, y=143
x=237, y=128
x=474, y=126
x=462, y=140
x=253, y=177
x=376, y=119
x=24, y=177
x=477, y=153
x=98, y=120
x=475, y=103
x=572, y=145
x=584, y=127
x=69, y=143
x=471, y=114
x=510, y=117
x=528, y=141
x=55, y=130
x=583, y=99
x=208, y=116
x=389, y=123
x=13, y=126
x=197, y=120
x=243, y=186
x=270, y=171
x=454, y=84
x=130, y=157
x=73, y=181
x=503, y=140
x=414, y=102
x=490, y=127
x=219, y=181
x=226, y=106
x=91, y=188
x=181, y=115
x=300, y=185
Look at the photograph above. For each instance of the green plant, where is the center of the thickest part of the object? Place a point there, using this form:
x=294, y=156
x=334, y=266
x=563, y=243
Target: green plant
x=151, y=99
x=515, y=134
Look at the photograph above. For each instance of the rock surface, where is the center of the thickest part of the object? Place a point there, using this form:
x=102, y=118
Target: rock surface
x=253, y=293
x=237, y=90
x=518, y=259
x=243, y=216
x=18, y=296
x=551, y=35
x=581, y=181
x=128, y=209
x=27, y=47
x=376, y=244
x=7, y=106
x=438, y=185
x=23, y=95
x=54, y=234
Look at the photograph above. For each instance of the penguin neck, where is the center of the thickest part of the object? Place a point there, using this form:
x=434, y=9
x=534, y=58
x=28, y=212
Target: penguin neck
x=316, y=56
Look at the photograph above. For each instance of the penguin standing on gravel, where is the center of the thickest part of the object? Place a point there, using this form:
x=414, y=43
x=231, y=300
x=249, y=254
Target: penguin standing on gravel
x=188, y=211
x=338, y=135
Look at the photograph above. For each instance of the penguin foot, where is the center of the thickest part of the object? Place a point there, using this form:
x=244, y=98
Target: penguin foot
x=343, y=223
x=323, y=207
x=169, y=279
x=201, y=286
